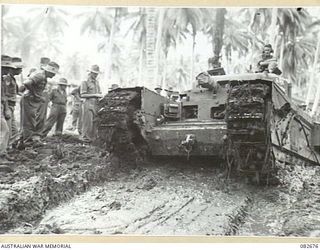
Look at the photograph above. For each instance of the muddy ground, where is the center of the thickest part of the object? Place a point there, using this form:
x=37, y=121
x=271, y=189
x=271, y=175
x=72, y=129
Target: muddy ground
x=67, y=187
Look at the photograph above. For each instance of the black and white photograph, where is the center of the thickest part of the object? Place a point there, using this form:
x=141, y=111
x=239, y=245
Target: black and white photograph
x=160, y=121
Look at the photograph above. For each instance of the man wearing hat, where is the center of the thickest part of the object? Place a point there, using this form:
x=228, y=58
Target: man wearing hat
x=44, y=61
x=90, y=91
x=114, y=86
x=6, y=64
x=158, y=89
x=268, y=62
x=169, y=92
x=33, y=110
x=58, y=110
x=11, y=94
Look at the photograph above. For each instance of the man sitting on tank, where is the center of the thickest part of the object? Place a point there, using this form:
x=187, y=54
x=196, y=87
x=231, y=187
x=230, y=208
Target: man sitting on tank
x=268, y=63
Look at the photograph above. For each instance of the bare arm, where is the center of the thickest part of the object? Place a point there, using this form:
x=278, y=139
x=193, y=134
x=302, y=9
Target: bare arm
x=84, y=94
x=91, y=95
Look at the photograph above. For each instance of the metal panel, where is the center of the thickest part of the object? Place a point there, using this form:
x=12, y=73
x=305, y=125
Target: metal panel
x=165, y=140
x=150, y=106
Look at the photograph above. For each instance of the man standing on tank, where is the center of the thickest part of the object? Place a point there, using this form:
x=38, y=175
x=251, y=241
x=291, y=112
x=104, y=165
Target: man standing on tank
x=33, y=111
x=90, y=91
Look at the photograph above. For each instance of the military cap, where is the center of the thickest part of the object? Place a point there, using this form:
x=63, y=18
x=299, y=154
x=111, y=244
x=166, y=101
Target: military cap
x=95, y=69
x=63, y=81
x=114, y=86
x=17, y=62
x=6, y=61
x=169, y=90
x=52, y=67
x=44, y=61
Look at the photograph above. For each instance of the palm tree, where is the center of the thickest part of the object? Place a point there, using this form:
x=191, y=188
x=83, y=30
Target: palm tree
x=50, y=20
x=217, y=31
x=137, y=29
x=22, y=41
x=74, y=65
x=10, y=25
x=291, y=24
x=104, y=22
x=150, y=46
x=188, y=20
x=171, y=35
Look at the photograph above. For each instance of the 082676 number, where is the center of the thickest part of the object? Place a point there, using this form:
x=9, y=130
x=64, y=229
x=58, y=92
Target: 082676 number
x=309, y=246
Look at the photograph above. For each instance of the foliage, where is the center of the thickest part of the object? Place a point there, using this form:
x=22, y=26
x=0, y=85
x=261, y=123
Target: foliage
x=235, y=34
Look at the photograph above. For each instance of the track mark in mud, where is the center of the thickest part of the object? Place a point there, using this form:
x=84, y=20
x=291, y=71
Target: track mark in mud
x=176, y=211
x=238, y=216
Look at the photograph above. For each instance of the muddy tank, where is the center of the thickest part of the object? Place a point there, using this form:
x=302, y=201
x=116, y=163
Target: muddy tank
x=247, y=120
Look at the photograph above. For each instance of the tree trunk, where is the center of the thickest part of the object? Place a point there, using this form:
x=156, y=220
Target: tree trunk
x=192, y=81
x=311, y=83
x=217, y=40
x=150, y=47
x=140, y=77
x=110, y=45
x=281, y=53
x=158, y=44
x=312, y=80
x=316, y=100
x=273, y=27
x=276, y=44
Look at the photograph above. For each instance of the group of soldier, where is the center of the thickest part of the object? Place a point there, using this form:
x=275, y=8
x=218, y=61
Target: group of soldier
x=35, y=98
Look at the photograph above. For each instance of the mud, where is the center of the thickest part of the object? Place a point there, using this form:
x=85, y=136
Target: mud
x=43, y=177
x=79, y=189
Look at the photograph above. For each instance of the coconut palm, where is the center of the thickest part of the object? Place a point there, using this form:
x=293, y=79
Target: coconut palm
x=10, y=25
x=22, y=41
x=188, y=20
x=171, y=35
x=50, y=20
x=137, y=30
x=104, y=22
x=292, y=24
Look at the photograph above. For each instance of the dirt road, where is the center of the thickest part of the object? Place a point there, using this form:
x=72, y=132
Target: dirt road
x=85, y=194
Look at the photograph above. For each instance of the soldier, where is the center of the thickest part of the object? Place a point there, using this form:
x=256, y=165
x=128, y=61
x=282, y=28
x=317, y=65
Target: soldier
x=32, y=104
x=158, y=89
x=169, y=92
x=5, y=113
x=90, y=91
x=175, y=96
x=44, y=62
x=268, y=62
x=76, y=110
x=114, y=86
x=58, y=110
x=11, y=94
x=4, y=133
x=213, y=62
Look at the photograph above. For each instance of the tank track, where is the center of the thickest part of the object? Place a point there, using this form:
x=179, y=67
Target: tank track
x=119, y=124
x=248, y=144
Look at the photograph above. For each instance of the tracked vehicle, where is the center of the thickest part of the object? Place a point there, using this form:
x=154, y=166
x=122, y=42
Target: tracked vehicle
x=247, y=120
